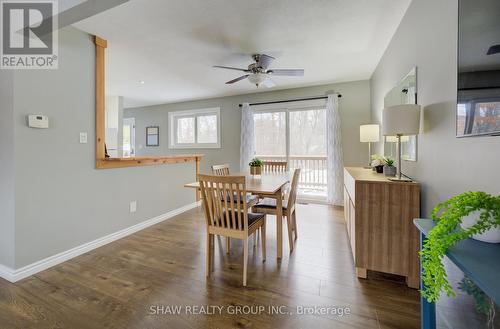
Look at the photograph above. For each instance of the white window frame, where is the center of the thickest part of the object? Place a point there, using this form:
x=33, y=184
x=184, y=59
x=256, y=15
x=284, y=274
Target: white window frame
x=172, y=123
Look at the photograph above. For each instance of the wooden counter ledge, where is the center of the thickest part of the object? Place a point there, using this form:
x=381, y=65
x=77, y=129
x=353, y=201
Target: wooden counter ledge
x=147, y=161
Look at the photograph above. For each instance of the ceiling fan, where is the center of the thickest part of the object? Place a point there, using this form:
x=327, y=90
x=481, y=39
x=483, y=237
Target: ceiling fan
x=258, y=73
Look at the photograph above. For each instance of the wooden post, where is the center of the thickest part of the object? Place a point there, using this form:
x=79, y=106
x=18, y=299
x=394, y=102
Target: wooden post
x=100, y=46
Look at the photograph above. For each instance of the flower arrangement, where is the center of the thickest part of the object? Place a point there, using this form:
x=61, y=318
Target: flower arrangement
x=256, y=162
x=256, y=166
x=377, y=160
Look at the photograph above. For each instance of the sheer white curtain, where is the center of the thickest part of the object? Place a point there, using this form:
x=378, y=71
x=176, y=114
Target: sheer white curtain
x=247, y=146
x=335, y=162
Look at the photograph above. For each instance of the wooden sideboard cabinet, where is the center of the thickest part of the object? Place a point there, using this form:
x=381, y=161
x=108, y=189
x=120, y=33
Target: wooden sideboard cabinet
x=379, y=217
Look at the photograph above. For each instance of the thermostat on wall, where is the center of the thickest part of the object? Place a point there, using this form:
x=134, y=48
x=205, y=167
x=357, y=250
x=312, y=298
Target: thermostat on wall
x=38, y=121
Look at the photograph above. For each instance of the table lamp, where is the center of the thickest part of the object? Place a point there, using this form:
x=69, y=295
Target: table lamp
x=399, y=121
x=368, y=134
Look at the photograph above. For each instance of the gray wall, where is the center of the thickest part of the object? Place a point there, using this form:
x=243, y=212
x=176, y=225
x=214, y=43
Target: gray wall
x=354, y=110
x=61, y=200
x=7, y=172
x=427, y=38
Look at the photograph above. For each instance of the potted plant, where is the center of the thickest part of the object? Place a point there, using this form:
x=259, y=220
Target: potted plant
x=448, y=231
x=389, y=169
x=377, y=163
x=255, y=166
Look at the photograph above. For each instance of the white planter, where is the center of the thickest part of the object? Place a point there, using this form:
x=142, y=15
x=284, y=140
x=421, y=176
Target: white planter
x=491, y=236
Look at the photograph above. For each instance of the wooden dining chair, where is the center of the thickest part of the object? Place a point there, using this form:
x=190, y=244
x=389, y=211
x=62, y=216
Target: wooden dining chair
x=274, y=166
x=226, y=214
x=221, y=170
x=268, y=206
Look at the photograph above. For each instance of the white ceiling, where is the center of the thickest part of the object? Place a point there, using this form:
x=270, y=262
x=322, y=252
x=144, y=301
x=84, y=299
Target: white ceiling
x=172, y=45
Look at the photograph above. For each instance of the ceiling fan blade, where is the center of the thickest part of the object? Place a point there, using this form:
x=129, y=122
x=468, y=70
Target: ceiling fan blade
x=237, y=79
x=495, y=49
x=265, y=61
x=287, y=72
x=269, y=83
x=230, y=68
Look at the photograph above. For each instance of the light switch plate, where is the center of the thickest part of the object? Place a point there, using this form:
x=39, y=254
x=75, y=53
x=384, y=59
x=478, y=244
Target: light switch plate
x=38, y=121
x=83, y=138
x=133, y=206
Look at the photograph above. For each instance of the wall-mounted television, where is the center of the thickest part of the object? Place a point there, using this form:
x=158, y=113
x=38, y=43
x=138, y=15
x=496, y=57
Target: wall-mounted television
x=478, y=95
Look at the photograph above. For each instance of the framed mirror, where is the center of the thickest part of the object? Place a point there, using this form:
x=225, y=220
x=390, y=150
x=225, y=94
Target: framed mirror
x=405, y=92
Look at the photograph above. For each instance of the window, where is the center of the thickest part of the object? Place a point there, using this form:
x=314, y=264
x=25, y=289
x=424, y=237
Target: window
x=308, y=132
x=195, y=128
x=270, y=134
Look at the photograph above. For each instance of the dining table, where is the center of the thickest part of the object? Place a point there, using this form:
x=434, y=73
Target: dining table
x=268, y=185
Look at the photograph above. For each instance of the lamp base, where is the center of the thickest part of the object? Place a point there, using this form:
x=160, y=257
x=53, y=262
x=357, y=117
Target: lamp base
x=402, y=179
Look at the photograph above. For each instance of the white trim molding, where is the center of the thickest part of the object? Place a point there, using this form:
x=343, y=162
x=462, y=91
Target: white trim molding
x=31, y=269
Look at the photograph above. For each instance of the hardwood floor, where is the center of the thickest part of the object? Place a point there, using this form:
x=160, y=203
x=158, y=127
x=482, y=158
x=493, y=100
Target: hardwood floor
x=125, y=284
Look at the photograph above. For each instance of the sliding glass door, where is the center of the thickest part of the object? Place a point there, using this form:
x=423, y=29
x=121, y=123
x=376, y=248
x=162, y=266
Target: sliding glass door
x=297, y=136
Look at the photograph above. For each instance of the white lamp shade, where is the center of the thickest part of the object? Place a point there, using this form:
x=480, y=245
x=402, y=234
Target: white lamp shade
x=401, y=120
x=369, y=133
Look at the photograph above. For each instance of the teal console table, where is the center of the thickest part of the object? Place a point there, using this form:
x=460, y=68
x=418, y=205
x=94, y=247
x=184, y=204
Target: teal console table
x=479, y=261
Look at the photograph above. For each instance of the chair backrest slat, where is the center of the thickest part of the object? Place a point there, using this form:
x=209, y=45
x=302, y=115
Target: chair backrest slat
x=292, y=197
x=274, y=166
x=224, y=201
x=221, y=170
x=234, y=210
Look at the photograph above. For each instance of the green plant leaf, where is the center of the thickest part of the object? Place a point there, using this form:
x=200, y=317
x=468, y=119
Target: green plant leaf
x=447, y=233
x=256, y=162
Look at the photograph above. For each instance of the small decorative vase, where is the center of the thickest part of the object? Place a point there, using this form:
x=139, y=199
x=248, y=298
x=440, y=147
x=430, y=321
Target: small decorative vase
x=390, y=171
x=379, y=169
x=255, y=170
x=491, y=236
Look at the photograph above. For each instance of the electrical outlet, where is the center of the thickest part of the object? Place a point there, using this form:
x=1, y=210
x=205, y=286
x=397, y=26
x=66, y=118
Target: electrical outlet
x=83, y=138
x=133, y=206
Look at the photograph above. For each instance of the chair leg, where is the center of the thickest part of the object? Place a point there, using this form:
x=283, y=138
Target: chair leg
x=212, y=252
x=228, y=245
x=208, y=260
x=263, y=240
x=255, y=238
x=290, y=232
x=245, y=261
x=295, y=224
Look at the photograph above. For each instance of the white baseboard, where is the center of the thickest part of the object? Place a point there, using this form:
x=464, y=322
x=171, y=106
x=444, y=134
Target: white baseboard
x=26, y=271
x=6, y=273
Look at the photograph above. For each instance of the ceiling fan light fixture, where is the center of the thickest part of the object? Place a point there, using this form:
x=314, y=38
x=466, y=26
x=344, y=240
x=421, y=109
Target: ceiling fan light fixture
x=257, y=78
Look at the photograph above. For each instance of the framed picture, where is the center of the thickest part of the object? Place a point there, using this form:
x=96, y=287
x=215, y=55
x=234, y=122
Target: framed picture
x=153, y=136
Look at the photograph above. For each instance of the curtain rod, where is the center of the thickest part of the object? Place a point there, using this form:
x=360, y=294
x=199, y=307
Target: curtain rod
x=290, y=100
